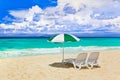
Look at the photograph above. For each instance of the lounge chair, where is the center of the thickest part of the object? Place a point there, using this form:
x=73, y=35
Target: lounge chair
x=79, y=62
x=92, y=59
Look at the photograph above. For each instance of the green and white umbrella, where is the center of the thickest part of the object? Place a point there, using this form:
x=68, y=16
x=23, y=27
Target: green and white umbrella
x=61, y=38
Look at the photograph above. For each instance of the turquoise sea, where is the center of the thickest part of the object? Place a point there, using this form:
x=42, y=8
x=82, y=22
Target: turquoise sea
x=17, y=47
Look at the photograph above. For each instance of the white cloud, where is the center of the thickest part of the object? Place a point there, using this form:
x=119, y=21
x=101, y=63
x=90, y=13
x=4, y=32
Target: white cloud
x=19, y=13
x=61, y=18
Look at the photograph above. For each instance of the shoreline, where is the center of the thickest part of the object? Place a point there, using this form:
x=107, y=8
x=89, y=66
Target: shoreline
x=49, y=67
x=11, y=53
x=56, y=54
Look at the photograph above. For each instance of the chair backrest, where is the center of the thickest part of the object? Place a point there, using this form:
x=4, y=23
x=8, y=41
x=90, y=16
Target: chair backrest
x=81, y=57
x=93, y=56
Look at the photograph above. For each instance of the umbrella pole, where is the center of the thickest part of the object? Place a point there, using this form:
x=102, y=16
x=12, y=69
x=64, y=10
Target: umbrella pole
x=63, y=54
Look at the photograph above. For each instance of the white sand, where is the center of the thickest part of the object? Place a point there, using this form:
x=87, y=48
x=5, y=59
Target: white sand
x=48, y=67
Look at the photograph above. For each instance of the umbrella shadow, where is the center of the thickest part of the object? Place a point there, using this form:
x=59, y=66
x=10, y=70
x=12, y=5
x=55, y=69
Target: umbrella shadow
x=68, y=65
x=61, y=65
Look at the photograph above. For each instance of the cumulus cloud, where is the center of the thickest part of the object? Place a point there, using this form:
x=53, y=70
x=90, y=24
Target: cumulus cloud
x=77, y=16
x=18, y=14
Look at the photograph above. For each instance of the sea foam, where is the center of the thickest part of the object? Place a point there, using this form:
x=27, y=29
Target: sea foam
x=44, y=51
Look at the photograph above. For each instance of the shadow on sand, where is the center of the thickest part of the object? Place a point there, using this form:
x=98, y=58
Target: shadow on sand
x=67, y=65
x=61, y=65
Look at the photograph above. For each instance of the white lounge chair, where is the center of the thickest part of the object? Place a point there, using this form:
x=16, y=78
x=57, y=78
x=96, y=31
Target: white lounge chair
x=79, y=62
x=93, y=59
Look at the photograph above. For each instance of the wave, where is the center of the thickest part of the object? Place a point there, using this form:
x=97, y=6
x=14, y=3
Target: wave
x=59, y=50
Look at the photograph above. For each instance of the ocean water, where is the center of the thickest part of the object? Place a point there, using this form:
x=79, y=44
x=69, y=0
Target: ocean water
x=17, y=47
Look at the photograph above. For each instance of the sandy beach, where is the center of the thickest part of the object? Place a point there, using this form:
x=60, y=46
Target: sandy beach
x=49, y=67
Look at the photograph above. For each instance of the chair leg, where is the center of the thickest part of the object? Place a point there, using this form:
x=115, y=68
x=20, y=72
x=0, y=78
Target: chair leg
x=79, y=67
x=87, y=66
x=74, y=65
x=91, y=66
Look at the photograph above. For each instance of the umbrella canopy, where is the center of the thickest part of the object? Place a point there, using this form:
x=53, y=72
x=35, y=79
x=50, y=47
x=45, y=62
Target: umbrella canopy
x=61, y=38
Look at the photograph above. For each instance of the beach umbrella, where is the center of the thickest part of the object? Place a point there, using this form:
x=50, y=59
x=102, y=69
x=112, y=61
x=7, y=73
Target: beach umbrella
x=61, y=38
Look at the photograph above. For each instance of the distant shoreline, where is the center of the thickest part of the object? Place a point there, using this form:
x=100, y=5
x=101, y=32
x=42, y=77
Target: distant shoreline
x=48, y=37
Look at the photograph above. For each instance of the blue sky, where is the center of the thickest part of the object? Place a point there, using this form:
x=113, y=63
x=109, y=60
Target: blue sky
x=92, y=18
x=6, y=5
